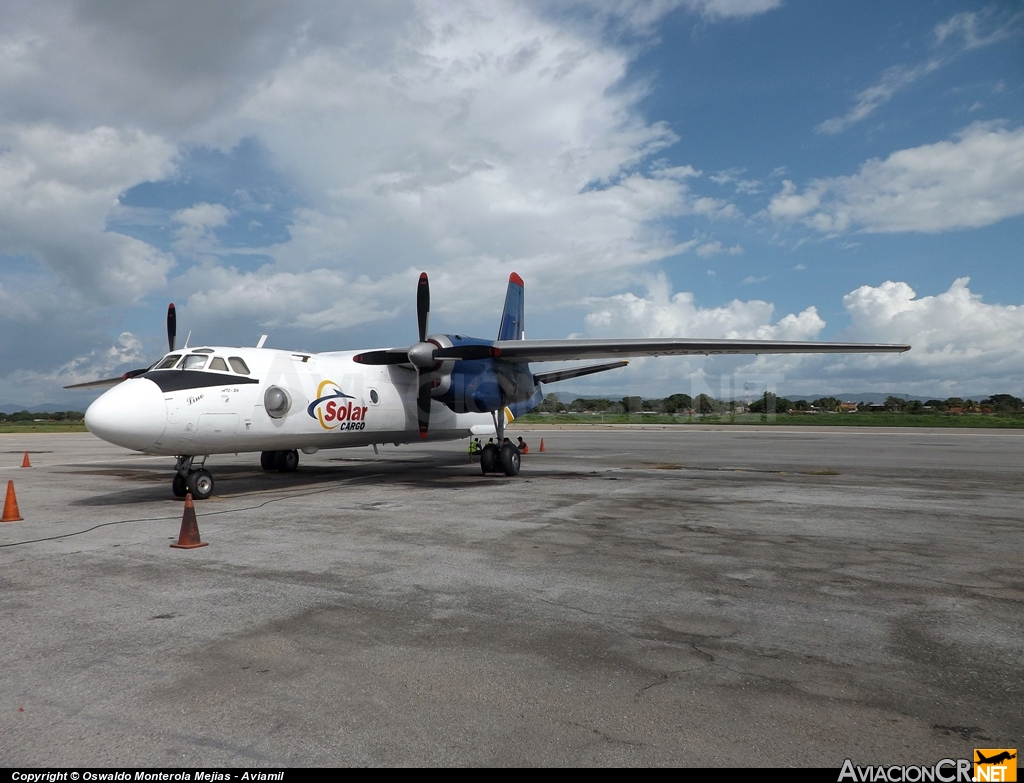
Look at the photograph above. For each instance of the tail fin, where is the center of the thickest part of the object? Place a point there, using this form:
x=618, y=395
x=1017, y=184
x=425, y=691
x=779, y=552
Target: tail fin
x=512, y=325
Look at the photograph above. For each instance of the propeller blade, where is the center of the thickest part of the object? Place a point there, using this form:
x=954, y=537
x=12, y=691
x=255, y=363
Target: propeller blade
x=393, y=356
x=423, y=402
x=172, y=326
x=97, y=384
x=468, y=352
x=423, y=305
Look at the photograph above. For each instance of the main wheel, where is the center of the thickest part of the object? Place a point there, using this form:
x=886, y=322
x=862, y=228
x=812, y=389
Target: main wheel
x=286, y=461
x=510, y=459
x=267, y=460
x=179, y=486
x=200, y=484
x=489, y=460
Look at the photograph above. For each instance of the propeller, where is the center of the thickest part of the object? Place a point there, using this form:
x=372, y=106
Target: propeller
x=172, y=326
x=425, y=355
x=171, y=332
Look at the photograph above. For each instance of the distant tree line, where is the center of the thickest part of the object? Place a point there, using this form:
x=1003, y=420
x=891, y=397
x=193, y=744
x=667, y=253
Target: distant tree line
x=704, y=404
x=55, y=416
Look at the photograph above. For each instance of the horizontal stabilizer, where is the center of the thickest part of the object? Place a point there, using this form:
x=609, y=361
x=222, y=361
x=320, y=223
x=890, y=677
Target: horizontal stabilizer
x=561, y=350
x=575, y=372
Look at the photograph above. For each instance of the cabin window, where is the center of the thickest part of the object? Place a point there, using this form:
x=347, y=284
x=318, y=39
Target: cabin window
x=219, y=364
x=238, y=365
x=194, y=362
x=169, y=362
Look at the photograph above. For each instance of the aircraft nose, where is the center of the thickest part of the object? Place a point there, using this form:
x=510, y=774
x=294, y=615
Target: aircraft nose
x=133, y=414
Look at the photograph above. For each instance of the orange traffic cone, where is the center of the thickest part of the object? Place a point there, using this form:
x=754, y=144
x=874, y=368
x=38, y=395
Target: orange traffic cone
x=188, y=538
x=25, y=463
x=542, y=445
x=11, y=506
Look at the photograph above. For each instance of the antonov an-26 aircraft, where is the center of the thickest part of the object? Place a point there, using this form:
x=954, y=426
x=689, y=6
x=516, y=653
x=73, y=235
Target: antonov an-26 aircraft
x=206, y=400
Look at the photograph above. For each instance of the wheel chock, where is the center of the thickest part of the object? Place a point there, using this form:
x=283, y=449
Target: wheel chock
x=542, y=445
x=188, y=538
x=25, y=463
x=11, y=506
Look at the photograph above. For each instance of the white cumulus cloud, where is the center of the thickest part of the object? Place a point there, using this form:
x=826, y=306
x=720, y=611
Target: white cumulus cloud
x=974, y=180
x=57, y=191
x=664, y=314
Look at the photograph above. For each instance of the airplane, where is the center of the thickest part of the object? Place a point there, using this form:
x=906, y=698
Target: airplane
x=206, y=400
x=996, y=759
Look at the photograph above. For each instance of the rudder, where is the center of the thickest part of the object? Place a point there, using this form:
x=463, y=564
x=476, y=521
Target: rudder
x=512, y=326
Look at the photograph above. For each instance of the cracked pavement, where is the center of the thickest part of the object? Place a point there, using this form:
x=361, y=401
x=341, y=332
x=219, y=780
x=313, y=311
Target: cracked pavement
x=742, y=596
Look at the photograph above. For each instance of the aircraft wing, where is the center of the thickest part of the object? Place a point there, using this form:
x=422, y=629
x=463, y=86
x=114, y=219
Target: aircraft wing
x=562, y=350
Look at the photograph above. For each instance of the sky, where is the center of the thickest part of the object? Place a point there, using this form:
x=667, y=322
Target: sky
x=771, y=169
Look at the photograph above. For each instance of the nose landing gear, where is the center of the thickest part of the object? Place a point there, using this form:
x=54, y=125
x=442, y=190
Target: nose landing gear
x=188, y=478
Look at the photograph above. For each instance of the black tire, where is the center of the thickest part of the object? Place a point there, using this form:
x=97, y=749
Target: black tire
x=286, y=461
x=200, y=484
x=510, y=459
x=267, y=460
x=179, y=486
x=489, y=460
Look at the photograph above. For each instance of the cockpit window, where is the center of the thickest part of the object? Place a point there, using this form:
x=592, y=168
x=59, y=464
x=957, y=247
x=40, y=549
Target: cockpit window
x=169, y=362
x=218, y=364
x=194, y=362
x=238, y=365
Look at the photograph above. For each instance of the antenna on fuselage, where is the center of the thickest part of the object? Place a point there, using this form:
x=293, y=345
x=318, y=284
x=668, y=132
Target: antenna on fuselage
x=187, y=338
x=263, y=339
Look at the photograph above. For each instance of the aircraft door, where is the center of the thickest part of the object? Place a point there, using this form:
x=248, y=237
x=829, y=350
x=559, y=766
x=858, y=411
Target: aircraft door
x=217, y=430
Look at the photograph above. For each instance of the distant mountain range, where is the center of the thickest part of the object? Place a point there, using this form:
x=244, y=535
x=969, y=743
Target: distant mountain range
x=11, y=407
x=869, y=397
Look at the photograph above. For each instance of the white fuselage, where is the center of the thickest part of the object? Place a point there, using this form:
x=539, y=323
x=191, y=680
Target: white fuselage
x=332, y=402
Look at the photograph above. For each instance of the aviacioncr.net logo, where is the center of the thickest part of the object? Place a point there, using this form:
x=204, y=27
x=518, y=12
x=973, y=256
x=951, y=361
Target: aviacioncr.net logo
x=334, y=409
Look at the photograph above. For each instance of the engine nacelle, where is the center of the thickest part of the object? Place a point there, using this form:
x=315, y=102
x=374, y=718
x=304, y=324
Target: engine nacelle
x=481, y=385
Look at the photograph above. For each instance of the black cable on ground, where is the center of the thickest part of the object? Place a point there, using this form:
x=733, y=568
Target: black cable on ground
x=175, y=516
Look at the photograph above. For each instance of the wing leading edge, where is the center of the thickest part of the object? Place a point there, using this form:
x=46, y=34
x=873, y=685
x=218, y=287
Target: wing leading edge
x=518, y=351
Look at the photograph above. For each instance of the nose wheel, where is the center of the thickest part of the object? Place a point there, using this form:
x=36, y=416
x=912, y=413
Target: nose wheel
x=189, y=480
x=200, y=484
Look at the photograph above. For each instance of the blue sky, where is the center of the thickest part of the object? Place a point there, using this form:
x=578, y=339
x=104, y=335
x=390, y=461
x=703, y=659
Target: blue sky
x=704, y=168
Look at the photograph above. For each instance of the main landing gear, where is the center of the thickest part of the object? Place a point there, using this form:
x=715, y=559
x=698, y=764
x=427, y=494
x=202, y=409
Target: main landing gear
x=504, y=459
x=192, y=479
x=283, y=461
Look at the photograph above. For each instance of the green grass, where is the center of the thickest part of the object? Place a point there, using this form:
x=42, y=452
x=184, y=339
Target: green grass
x=12, y=427
x=988, y=421
x=997, y=421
